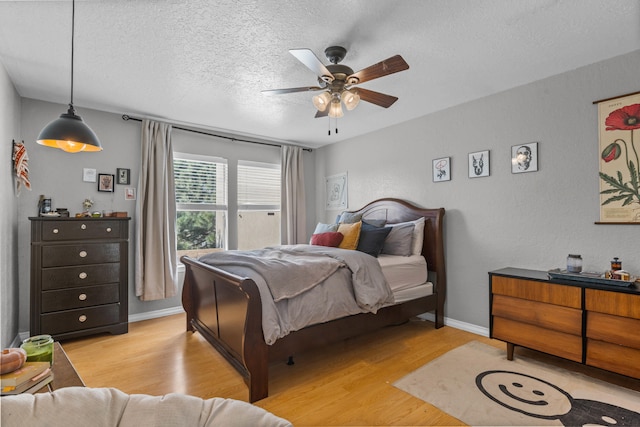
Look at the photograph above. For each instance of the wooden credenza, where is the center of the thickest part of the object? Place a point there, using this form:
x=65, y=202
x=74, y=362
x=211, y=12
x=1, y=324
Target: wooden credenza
x=588, y=323
x=79, y=276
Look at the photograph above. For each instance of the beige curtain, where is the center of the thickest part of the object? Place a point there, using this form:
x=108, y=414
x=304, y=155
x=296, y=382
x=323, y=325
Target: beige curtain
x=156, y=264
x=293, y=211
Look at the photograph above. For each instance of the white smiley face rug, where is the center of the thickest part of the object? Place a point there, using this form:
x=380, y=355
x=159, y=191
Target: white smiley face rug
x=478, y=385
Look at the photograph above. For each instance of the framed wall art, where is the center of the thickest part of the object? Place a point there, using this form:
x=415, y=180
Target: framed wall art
x=337, y=191
x=88, y=175
x=524, y=158
x=442, y=169
x=105, y=182
x=479, y=164
x=123, y=176
x=619, y=152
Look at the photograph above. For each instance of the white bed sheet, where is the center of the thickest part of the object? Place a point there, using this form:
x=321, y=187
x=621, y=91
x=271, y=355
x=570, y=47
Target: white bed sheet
x=403, y=272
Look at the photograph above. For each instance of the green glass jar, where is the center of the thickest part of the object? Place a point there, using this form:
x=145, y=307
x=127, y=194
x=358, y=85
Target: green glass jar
x=39, y=348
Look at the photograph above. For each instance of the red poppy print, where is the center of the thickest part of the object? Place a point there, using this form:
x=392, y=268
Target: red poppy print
x=625, y=118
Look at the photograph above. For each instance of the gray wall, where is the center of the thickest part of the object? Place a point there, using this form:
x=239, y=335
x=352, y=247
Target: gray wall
x=9, y=130
x=58, y=175
x=529, y=220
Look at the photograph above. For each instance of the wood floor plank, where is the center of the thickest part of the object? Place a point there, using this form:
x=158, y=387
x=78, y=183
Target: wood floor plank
x=348, y=383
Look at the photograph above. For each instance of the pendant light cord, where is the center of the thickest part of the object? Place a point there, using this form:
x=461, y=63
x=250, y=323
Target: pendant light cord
x=73, y=21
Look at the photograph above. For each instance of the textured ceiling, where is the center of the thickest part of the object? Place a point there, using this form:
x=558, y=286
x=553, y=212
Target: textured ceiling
x=204, y=63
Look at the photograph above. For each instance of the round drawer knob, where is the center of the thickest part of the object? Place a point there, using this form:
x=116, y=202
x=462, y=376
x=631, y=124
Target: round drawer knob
x=83, y=254
x=56, y=231
x=82, y=297
x=82, y=275
x=108, y=229
x=83, y=227
x=82, y=318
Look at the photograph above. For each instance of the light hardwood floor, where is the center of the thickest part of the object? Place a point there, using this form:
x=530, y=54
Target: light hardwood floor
x=344, y=384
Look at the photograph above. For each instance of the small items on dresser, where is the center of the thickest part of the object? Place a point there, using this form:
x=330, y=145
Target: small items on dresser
x=574, y=263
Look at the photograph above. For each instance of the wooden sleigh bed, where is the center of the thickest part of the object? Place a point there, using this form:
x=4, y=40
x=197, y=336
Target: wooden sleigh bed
x=227, y=309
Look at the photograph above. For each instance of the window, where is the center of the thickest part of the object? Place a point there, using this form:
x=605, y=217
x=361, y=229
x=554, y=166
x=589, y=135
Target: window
x=201, y=203
x=258, y=204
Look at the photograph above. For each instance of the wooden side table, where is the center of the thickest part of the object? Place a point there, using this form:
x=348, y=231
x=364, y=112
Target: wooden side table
x=64, y=374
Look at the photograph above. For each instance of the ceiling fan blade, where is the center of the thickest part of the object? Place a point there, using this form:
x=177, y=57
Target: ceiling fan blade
x=324, y=113
x=291, y=90
x=377, y=98
x=308, y=58
x=383, y=68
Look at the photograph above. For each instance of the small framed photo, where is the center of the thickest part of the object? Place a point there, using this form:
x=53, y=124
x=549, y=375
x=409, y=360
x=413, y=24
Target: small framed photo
x=479, y=164
x=524, y=158
x=88, y=175
x=105, y=182
x=442, y=169
x=123, y=176
x=129, y=193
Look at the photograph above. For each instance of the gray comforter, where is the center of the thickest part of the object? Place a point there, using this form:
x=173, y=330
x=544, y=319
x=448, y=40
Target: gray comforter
x=302, y=285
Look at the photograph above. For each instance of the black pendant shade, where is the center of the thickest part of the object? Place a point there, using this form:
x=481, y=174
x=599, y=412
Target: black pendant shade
x=69, y=133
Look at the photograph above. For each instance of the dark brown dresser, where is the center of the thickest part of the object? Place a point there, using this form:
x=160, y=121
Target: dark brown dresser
x=79, y=276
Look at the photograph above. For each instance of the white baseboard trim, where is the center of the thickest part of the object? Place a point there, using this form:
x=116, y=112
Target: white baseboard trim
x=469, y=327
x=155, y=314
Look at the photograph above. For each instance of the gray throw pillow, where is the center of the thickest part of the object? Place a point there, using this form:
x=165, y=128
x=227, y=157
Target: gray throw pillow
x=399, y=240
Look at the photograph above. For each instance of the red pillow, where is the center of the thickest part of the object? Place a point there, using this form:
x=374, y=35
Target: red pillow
x=330, y=238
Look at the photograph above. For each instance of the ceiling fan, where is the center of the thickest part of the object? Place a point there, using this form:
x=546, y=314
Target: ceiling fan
x=338, y=82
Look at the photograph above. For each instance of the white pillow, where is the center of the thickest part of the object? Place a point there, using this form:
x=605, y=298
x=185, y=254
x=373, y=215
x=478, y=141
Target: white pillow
x=418, y=236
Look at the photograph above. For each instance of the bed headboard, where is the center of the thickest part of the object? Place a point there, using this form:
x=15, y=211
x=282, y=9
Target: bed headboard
x=396, y=210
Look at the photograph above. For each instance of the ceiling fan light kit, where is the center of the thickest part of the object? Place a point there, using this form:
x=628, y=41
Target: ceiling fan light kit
x=337, y=81
x=69, y=132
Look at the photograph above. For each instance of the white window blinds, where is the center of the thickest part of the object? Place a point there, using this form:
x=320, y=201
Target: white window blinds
x=258, y=186
x=200, y=182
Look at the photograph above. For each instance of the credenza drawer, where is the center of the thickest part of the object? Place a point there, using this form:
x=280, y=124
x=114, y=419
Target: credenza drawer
x=616, y=303
x=83, y=275
x=553, y=342
x=568, y=296
x=82, y=318
x=66, y=299
x=80, y=254
x=549, y=316
x=613, y=357
x=80, y=230
x=614, y=329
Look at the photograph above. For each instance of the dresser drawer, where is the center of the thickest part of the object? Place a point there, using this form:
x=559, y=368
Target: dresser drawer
x=612, y=357
x=549, y=316
x=534, y=337
x=569, y=296
x=82, y=318
x=80, y=230
x=80, y=254
x=83, y=275
x=616, y=303
x=614, y=329
x=66, y=299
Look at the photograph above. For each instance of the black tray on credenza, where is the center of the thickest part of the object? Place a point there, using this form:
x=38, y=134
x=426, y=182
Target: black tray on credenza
x=590, y=277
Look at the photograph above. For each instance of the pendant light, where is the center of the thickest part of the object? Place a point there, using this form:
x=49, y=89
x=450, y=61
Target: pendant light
x=69, y=132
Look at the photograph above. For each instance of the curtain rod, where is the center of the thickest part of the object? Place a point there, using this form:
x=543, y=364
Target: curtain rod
x=127, y=118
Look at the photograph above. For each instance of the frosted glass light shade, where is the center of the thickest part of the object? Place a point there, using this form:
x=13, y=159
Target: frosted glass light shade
x=351, y=99
x=69, y=133
x=321, y=102
x=335, y=110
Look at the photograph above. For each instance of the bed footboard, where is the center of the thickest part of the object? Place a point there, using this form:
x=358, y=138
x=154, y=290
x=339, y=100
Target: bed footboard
x=227, y=311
